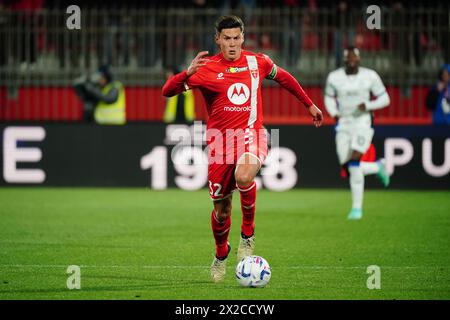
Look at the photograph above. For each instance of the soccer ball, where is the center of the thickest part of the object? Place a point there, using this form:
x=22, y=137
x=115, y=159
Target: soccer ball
x=253, y=271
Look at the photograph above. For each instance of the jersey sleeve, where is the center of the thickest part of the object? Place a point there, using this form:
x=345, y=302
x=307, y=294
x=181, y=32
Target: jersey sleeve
x=330, y=95
x=269, y=68
x=377, y=87
x=182, y=82
x=194, y=81
x=175, y=84
x=330, y=90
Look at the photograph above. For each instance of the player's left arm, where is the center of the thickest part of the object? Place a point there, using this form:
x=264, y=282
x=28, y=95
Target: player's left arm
x=378, y=89
x=287, y=81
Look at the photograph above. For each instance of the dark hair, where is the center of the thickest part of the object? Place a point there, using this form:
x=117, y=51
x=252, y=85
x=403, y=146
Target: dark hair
x=445, y=67
x=176, y=69
x=229, y=22
x=106, y=72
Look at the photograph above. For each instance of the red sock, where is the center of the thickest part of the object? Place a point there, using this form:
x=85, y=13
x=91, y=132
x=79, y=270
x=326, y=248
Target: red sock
x=220, y=232
x=248, y=206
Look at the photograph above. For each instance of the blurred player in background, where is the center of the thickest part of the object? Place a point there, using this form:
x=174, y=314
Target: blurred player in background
x=231, y=85
x=103, y=97
x=347, y=98
x=438, y=98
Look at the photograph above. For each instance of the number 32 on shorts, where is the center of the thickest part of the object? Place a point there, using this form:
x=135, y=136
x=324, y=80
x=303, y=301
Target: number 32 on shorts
x=218, y=188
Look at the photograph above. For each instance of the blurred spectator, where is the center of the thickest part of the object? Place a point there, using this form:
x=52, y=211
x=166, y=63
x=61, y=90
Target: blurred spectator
x=202, y=24
x=415, y=37
x=291, y=37
x=438, y=98
x=66, y=42
x=103, y=97
x=3, y=34
x=310, y=35
x=150, y=37
x=26, y=21
x=117, y=38
x=226, y=7
x=367, y=40
x=180, y=108
x=248, y=7
x=407, y=35
x=344, y=30
x=444, y=32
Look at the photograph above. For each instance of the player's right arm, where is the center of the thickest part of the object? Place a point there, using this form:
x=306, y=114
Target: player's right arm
x=330, y=99
x=378, y=89
x=177, y=83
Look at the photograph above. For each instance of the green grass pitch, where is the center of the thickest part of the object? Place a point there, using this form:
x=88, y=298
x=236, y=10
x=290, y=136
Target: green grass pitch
x=142, y=244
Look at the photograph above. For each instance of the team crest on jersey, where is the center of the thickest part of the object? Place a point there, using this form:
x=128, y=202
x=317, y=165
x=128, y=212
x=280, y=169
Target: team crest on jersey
x=254, y=73
x=238, y=93
x=236, y=69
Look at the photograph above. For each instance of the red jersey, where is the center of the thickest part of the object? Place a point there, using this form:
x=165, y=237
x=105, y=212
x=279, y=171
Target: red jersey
x=232, y=89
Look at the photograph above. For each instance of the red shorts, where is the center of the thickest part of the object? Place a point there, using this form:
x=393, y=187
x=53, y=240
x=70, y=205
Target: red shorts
x=221, y=180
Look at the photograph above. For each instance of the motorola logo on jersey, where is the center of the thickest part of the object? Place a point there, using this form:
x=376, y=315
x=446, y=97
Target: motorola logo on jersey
x=238, y=93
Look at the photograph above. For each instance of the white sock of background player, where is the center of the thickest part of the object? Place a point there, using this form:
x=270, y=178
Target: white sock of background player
x=369, y=167
x=356, y=183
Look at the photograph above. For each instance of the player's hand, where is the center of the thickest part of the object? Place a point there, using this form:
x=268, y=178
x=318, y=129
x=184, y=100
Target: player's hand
x=362, y=107
x=316, y=115
x=199, y=61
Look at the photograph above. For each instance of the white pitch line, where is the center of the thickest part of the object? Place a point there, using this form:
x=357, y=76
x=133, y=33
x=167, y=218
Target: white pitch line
x=206, y=267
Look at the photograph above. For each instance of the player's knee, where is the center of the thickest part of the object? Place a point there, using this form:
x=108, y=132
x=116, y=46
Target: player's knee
x=223, y=210
x=356, y=155
x=223, y=213
x=243, y=179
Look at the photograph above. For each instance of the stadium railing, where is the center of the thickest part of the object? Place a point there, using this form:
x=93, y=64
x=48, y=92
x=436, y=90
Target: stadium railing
x=40, y=56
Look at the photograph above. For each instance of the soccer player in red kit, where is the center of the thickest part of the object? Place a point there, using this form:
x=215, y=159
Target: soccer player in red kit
x=237, y=145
